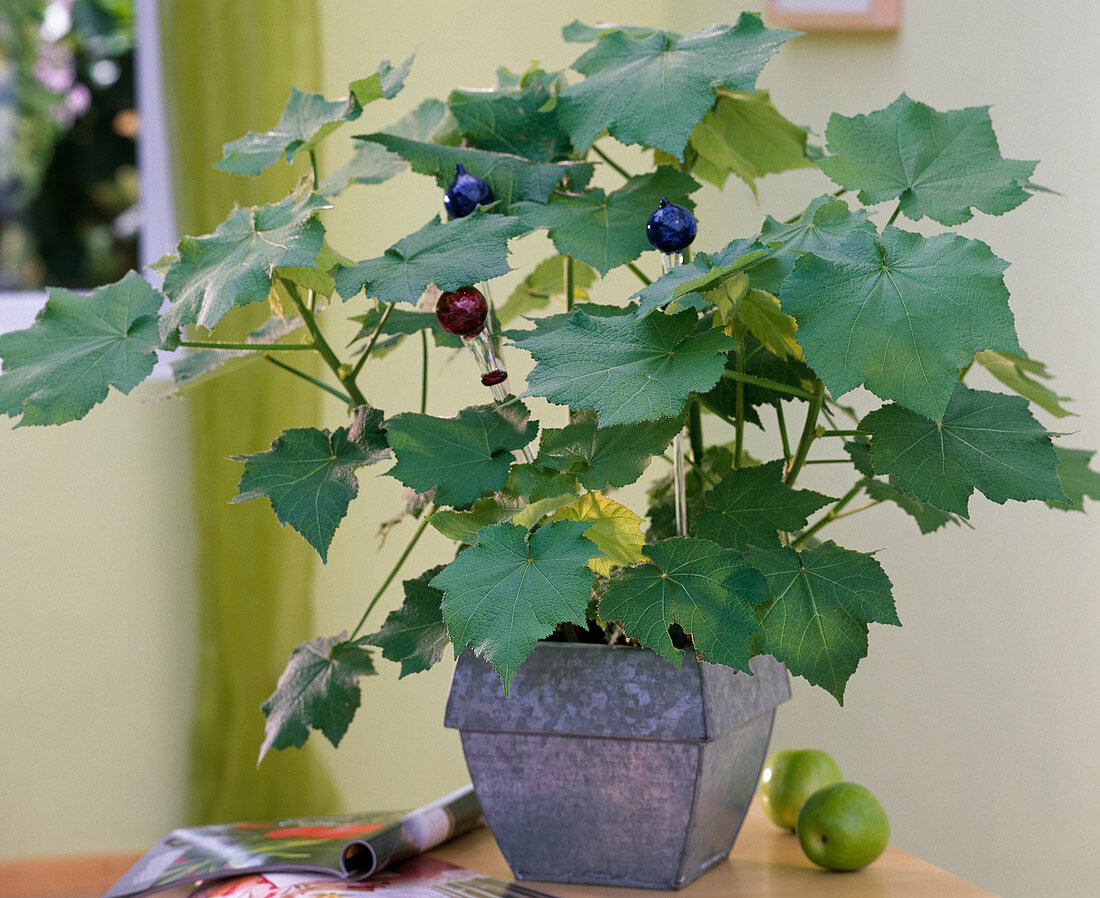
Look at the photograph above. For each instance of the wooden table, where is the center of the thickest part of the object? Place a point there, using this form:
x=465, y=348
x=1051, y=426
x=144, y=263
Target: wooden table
x=766, y=861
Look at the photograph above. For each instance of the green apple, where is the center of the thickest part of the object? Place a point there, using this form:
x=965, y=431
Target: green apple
x=789, y=777
x=842, y=827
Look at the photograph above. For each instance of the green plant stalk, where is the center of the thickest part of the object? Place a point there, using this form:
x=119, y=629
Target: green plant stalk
x=809, y=433
x=423, y=372
x=695, y=432
x=781, y=423
x=313, y=166
x=739, y=394
x=842, y=433
x=254, y=347
x=831, y=515
x=720, y=415
x=615, y=165
x=343, y=397
x=768, y=384
x=370, y=343
x=570, y=284
x=394, y=571
x=641, y=275
x=348, y=380
x=894, y=216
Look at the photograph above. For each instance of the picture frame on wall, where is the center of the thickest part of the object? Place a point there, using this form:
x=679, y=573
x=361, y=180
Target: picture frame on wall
x=834, y=15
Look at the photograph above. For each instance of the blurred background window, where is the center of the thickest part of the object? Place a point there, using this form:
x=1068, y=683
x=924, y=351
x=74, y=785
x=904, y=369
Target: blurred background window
x=68, y=128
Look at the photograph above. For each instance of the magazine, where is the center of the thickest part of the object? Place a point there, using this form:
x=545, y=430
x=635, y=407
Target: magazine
x=421, y=877
x=351, y=846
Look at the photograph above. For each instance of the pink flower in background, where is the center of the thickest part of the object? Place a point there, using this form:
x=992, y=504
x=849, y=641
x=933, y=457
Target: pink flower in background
x=54, y=68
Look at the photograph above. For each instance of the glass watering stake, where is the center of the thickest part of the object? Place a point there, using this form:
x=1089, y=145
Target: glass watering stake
x=464, y=312
x=671, y=229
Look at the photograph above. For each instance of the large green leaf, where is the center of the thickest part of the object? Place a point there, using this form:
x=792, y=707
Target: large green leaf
x=459, y=457
x=370, y=163
x=605, y=456
x=319, y=690
x=654, y=89
x=62, y=365
x=744, y=135
x=938, y=164
x=577, y=32
x=986, y=441
x=606, y=230
x=547, y=324
x=307, y=119
x=1077, y=478
x=543, y=285
x=822, y=600
x=708, y=591
x=821, y=229
x=662, y=291
x=927, y=517
x=501, y=596
x=430, y=121
x=902, y=314
x=309, y=474
x=510, y=118
x=234, y=265
x=512, y=178
x=448, y=254
x=1018, y=373
x=414, y=634
x=749, y=507
x=626, y=369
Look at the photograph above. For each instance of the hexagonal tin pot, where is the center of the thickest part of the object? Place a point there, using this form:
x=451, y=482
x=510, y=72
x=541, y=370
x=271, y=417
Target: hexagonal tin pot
x=610, y=766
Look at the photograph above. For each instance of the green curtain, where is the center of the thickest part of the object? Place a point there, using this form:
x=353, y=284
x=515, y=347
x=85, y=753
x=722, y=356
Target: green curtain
x=228, y=69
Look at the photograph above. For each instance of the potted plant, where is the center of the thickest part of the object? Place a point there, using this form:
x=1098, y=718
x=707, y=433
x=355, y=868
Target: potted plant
x=728, y=568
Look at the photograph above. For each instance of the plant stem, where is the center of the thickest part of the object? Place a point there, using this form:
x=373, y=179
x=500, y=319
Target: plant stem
x=720, y=415
x=344, y=397
x=370, y=343
x=357, y=398
x=829, y=461
x=393, y=573
x=695, y=432
x=570, y=284
x=423, y=372
x=639, y=273
x=809, y=432
x=829, y=516
x=894, y=216
x=255, y=347
x=739, y=405
x=313, y=166
x=842, y=433
x=615, y=165
x=769, y=384
x=698, y=469
x=784, y=441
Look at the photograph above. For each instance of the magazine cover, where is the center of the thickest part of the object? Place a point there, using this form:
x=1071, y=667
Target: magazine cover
x=351, y=846
x=421, y=877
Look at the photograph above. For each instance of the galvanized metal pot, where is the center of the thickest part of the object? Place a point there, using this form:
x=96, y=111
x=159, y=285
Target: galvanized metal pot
x=611, y=766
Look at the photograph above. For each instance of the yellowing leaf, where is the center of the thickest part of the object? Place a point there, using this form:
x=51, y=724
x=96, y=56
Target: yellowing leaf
x=742, y=309
x=615, y=530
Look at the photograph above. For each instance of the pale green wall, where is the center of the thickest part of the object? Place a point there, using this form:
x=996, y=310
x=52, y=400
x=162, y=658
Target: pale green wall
x=976, y=723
